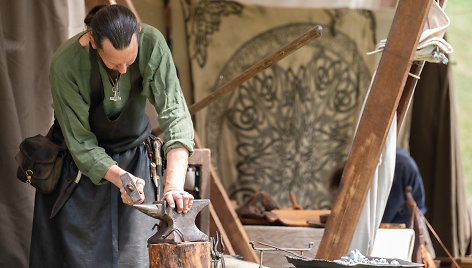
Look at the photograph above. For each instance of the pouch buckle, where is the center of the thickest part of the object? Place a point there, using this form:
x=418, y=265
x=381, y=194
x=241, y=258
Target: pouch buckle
x=29, y=174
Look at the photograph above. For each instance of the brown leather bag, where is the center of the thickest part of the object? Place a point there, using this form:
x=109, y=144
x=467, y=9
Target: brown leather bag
x=41, y=158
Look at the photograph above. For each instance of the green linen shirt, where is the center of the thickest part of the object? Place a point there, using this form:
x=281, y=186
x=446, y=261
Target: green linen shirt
x=70, y=88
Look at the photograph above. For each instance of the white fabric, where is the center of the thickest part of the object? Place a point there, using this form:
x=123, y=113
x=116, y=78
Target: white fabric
x=377, y=197
x=76, y=17
x=431, y=46
x=394, y=243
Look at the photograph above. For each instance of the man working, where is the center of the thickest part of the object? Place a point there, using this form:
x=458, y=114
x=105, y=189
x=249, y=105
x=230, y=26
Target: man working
x=100, y=81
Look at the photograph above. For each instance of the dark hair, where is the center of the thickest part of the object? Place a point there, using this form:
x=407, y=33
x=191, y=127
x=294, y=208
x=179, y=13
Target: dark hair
x=92, y=13
x=116, y=23
x=335, y=179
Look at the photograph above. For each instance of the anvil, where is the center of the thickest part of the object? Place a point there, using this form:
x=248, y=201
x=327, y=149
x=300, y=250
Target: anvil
x=175, y=227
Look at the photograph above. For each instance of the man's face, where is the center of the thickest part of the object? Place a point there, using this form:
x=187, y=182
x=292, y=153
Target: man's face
x=118, y=60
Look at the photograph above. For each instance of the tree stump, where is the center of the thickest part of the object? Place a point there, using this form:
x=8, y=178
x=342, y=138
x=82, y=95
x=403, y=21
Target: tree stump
x=185, y=255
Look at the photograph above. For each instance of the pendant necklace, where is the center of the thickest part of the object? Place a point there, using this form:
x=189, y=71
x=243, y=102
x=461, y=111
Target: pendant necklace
x=114, y=82
x=115, y=89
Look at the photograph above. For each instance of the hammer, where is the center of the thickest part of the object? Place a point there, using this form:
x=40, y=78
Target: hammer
x=130, y=187
x=175, y=227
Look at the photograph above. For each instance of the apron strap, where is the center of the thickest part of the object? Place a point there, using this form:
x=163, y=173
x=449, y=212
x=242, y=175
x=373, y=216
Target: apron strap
x=96, y=86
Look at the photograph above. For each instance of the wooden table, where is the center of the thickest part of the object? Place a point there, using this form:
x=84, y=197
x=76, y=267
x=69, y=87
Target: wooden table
x=464, y=262
x=284, y=237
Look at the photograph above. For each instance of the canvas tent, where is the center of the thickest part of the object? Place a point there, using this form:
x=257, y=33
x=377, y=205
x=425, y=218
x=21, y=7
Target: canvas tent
x=320, y=91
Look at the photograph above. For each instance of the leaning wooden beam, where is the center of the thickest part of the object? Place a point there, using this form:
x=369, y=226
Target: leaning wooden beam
x=258, y=67
x=226, y=214
x=202, y=157
x=373, y=127
x=405, y=99
x=215, y=224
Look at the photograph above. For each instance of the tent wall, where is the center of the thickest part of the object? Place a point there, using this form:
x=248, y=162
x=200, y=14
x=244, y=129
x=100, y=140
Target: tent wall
x=30, y=31
x=290, y=126
x=434, y=144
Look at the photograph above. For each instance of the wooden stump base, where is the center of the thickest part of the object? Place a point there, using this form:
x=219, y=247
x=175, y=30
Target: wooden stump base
x=188, y=254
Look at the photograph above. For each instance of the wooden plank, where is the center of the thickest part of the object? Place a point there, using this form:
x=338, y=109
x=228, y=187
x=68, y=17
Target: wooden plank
x=374, y=124
x=284, y=237
x=226, y=214
x=216, y=225
x=408, y=91
x=201, y=157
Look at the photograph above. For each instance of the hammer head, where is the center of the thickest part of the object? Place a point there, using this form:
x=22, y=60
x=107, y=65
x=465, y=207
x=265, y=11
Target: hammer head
x=130, y=187
x=175, y=227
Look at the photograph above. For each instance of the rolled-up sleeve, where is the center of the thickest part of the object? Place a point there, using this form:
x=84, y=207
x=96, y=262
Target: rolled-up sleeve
x=164, y=92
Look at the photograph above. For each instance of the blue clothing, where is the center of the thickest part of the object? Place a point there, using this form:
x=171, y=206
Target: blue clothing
x=406, y=174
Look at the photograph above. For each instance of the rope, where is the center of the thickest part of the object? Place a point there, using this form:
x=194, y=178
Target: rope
x=437, y=238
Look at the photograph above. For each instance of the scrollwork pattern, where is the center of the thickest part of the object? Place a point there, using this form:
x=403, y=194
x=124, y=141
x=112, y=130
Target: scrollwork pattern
x=207, y=16
x=290, y=125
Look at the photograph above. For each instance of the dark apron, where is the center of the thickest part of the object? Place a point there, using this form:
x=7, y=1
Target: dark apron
x=94, y=228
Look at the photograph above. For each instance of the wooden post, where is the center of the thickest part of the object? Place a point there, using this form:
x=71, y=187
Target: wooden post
x=184, y=255
x=227, y=216
x=202, y=158
x=408, y=93
x=374, y=125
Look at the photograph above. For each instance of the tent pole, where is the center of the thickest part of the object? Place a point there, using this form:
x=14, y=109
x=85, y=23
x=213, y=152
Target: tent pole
x=375, y=121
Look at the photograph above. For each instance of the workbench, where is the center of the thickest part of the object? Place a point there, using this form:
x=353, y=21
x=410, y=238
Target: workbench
x=284, y=237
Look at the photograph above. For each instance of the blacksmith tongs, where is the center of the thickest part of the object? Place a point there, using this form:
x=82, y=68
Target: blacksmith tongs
x=217, y=255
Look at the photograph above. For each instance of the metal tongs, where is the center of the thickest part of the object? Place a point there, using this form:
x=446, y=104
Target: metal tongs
x=217, y=255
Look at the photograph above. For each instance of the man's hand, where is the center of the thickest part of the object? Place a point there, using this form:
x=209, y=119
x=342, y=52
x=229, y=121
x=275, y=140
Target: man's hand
x=140, y=183
x=113, y=175
x=174, y=194
x=182, y=199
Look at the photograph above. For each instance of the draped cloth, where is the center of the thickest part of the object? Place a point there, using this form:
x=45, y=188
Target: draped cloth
x=432, y=47
x=377, y=197
x=30, y=32
x=434, y=144
x=291, y=125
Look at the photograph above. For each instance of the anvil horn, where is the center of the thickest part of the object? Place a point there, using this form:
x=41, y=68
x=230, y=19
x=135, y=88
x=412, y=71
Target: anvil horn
x=154, y=210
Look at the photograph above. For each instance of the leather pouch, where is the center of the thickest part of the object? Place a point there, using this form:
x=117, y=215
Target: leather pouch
x=40, y=161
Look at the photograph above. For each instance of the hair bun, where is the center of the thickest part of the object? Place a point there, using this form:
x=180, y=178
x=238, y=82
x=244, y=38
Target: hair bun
x=91, y=14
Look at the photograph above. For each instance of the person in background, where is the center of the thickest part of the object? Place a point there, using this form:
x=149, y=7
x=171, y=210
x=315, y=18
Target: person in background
x=100, y=81
x=406, y=174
